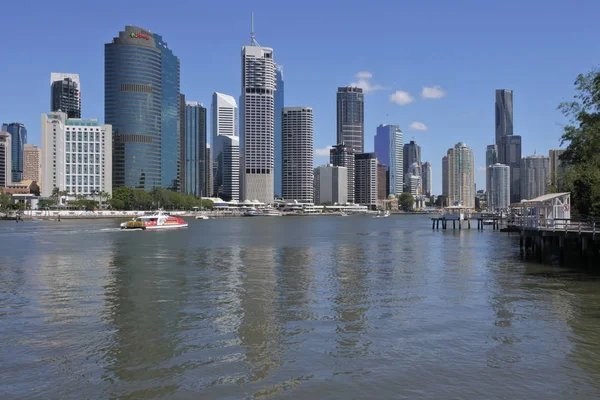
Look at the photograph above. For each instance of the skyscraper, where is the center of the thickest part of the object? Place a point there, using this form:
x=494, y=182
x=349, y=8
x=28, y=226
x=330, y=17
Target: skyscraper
x=279, y=105
x=491, y=154
x=426, y=171
x=18, y=136
x=389, y=150
x=297, y=154
x=498, y=184
x=331, y=184
x=5, y=159
x=504, y=114
x=208, y=173
x=141, y=90
x=65, y=94
x=32, y=163
x=343, y=156
x=258, y=130
x=228, y=182
x=412, y=155
x=534, y=176
x=224, y=115
x=509, y=150
x=445, y=176
x=382, y=181
x=365, y=179
x=461, y=176
x=181, y=161
x=195, y=162
x=557, y=169
x=76, y=155
x=351, y=118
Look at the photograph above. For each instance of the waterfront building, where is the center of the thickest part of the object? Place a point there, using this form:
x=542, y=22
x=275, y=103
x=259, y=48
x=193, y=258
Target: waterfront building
x=76, y=155
x=341, y=155
x=390, y=152
x=351, y=117
x=413, y=185
x=65, y=94
x=509, y=150
x=461, y=176
x=382, y=181
x=195, y=162
x=18, y=136
x=297, y=154
x=279, y=105
x=32, y=163
x=504, y=116
x=181, y=160
x=557, y=169
x=445, y=175
x=534, y=176
x=426, y=178
x=141, y=102
x=365, y=179
x=227, y=183
x=208, y=173
x=491, y=154
x=5, y=159
x=498, y=187
x=331, y=184
x=258, y=130
x=224, y=114
x=412, y=155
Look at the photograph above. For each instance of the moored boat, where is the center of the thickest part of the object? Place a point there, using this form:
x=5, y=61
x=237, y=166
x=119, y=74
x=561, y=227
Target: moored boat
x=158, y=220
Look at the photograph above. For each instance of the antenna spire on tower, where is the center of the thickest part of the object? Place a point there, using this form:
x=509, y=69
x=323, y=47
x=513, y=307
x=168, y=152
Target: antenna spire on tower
x=253, y=41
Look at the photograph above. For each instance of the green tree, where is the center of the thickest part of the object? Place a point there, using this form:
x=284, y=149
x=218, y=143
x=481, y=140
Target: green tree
x=582, y=156
x=142, y=200
x=406, y=201
x=5, y=200
x=125, y=197
x=104, y=196
x=116, y=204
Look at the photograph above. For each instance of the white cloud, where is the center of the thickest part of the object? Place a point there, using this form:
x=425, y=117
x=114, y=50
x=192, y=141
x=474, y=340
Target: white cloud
x=418, y=126
x=481, y=169
x=401, y=97
x=364, y=82
x=322, y=152
x=364, y=75
x=432, y=92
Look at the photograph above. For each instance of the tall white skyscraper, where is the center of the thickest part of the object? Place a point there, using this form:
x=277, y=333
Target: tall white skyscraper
x=258, y=131
x=297, y=154
x=224, y=123
x=389, y=150
x=76, y=155
x=461, y=176
x=498, y=184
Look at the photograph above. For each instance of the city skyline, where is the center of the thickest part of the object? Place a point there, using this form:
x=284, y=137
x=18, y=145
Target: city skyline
x=456, y=117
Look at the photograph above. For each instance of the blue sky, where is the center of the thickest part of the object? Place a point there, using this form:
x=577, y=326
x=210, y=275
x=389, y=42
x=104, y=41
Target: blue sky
x=466, y=48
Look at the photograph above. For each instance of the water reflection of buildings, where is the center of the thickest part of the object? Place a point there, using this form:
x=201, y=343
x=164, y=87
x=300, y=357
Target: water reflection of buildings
x=295, y=276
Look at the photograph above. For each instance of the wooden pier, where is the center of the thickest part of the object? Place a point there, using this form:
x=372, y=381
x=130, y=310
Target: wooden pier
x=482, y=220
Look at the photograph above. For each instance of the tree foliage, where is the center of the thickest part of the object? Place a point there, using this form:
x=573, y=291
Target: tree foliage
x=5, y=201
x=125, y=198
x=406, y=201
x=582, y=156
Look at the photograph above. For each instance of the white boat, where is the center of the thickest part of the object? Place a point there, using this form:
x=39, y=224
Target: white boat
x=158, y=220
x=343, y=214
x=386, y=214
x=253, y=213
x=202, y=216
x=272, y=213
x=488, y=222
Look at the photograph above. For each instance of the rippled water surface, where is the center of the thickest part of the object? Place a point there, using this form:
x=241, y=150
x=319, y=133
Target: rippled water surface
x=306, y=307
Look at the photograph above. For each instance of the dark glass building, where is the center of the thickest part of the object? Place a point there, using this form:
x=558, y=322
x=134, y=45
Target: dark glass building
x=18, y=136
x=141, y=91
x=65, y=94
x=195, y=150
x=351, y=118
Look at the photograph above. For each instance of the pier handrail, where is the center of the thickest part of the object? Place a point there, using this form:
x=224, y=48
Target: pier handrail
x=577, y=225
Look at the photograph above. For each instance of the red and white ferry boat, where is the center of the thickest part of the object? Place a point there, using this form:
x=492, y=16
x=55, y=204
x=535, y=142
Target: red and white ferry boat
x=159, y=220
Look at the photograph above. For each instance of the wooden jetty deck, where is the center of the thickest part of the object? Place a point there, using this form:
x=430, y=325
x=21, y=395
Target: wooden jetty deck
x=482, y=220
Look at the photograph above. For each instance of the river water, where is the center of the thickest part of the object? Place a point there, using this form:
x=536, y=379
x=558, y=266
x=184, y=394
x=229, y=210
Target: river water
x=305, y=307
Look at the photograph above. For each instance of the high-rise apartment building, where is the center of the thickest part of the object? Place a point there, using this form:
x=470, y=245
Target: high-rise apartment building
x=534, y=176
x=195, y=162
x=5, y=159
x=181, y=161
x=498, y=184
x=208, y=173
x=342, y=155
x=365, y=179
x=351, y=118
x=331, y=184
x=504, y=115
x=390, y=151
x=32, y=163
x=279, y=105
x=557, y=169
x=509, y=150
x=297, y=154
x=224, y=127
x=445, y=175
x=258, y=130
x=382, y=181
x=76, y=155
x=65, y=94
x=412, y=157
x=491, y=155
x=461, y=176
x=413, y=185
x=141, y=102
x=426, y=172
x=18, y=136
